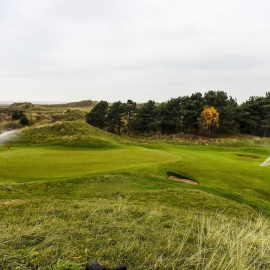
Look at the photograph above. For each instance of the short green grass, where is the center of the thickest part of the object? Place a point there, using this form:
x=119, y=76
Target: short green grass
x=23, y=164
x=227, y=172
x=61, y=207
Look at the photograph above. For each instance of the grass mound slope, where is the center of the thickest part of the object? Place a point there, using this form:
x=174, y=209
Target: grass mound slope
x=68, y=234
x=73, y=133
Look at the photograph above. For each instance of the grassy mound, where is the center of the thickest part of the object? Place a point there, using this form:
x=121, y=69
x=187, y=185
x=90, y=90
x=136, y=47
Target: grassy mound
x=127, y=218
x=57, y=234
x=74, y=133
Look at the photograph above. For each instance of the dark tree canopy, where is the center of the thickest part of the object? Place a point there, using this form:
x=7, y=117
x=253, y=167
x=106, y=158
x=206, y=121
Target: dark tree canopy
x=17, y=115
x=97, y=117
x=253, y=116
x=181, y=114
x=115, y=116
x=130, y=109
x=24, y=120
x=148, y=117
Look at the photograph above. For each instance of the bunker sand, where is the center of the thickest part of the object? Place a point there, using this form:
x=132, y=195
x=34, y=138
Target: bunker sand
x=188, y=181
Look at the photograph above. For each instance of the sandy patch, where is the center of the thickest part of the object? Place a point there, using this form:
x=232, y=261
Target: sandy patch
x=188, y=181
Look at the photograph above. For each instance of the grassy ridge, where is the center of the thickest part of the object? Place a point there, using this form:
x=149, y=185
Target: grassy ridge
x=55, y=234
x=73, y=133
x=133, y=185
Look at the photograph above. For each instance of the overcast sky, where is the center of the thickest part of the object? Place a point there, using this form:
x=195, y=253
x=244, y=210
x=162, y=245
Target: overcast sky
x=63, y=50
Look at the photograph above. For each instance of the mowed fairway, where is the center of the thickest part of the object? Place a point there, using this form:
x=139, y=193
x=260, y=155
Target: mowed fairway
x=212, y=167
x=23, y=164
x=232, y=173
x=225, y=167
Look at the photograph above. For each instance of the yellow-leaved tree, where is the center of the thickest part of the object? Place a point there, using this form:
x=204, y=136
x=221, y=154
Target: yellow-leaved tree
x=208, y=121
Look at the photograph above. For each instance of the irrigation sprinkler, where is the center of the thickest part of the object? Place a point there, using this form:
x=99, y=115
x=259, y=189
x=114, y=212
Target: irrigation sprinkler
x=265, y=162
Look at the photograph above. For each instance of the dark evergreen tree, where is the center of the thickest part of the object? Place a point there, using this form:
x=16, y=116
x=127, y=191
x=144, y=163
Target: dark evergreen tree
x=24, y=120
x=97, y=117
x=266, y=120
x=130, y=109
x=191, y=110
x=115, y=116
x=253, y=116
x=248, y=116
x=170, y=115
x=148, y=117
x=17, y=115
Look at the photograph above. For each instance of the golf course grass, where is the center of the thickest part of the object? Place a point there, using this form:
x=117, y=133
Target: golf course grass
x=23, y=164
x=66, y=202
x=217, y=170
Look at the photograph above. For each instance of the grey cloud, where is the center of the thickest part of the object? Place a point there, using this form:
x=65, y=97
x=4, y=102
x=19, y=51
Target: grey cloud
x=133, y=49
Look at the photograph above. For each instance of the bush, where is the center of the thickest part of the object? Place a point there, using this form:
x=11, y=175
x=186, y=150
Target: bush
x=24, y=120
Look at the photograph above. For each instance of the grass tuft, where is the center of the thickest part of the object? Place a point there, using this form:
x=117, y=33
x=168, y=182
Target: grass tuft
x=67, y=235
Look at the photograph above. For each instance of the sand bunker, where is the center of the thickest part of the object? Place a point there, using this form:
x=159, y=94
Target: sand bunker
x=179, y=178
x=188, y=181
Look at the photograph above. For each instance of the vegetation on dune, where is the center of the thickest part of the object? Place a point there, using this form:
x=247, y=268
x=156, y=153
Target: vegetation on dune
x=83, y=103
x=73, y=133
x=38, y=114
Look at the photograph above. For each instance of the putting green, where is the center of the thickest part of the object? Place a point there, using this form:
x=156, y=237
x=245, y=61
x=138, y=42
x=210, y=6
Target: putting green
x=23, y=164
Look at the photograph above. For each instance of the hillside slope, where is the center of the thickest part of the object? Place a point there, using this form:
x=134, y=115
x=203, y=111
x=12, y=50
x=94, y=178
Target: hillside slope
x=74, y=133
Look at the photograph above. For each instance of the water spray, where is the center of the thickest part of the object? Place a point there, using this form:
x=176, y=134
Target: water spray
x=6, y=134
x=4, y=137
x=265, y=162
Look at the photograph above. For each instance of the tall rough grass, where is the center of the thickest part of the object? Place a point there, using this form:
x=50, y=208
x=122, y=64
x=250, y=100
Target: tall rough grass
x=73, y=133
x=68, y=234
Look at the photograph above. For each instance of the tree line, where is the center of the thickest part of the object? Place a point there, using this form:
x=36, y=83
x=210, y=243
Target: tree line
x=184, y=114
